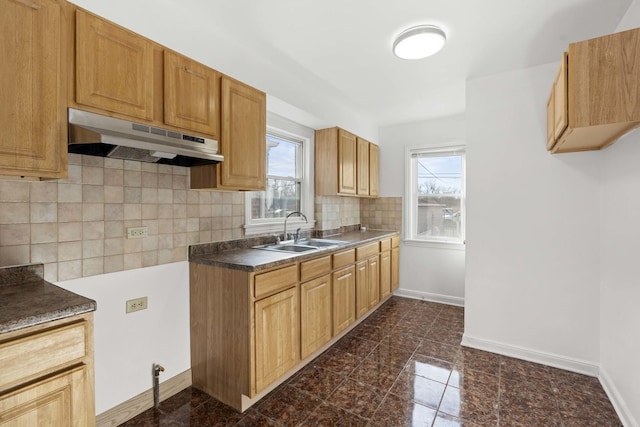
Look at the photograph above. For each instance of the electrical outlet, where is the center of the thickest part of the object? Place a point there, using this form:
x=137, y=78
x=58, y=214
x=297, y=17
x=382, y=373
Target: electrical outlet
x=136, y=304
x=137, y=232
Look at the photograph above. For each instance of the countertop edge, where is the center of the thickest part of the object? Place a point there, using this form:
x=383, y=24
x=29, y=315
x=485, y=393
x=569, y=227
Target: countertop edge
x=289, y=257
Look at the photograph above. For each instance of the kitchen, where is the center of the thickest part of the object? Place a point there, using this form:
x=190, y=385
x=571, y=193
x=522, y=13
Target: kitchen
x=566, y=278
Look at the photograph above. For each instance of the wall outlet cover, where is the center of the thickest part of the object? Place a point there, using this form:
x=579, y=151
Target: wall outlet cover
x=137, y=232
x=136, y=304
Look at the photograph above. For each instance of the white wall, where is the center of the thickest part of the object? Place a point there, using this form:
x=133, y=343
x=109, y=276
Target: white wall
x=532, y=275
x=620, y=269
x=126, y=345
x=425, y=272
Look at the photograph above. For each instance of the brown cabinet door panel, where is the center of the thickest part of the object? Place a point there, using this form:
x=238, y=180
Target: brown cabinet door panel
x=243, y=137
x=346, y=162
x=33, y=110
x=363, y=167
x=315, y=314
x=344, y=299
x=114, y=68
x=191, y=95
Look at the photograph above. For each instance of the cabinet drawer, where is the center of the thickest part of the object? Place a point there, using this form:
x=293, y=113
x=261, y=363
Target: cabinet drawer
x=274, y=281
x=344, y=258
x=395, y=241
x=314, y=268
x=385, y=245
x=367, y=250
x=28, y=357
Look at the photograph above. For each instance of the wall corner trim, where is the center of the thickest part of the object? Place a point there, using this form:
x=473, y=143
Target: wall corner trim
x=143, y=401
x=557, y=361
x=621, y=407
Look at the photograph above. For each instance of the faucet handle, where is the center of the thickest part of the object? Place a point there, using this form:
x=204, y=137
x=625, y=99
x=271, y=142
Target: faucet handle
x=277, y=236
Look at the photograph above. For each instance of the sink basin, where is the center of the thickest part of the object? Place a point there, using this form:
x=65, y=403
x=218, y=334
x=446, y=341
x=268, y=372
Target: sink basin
x=302, y=245
x=320, y=243
x=287, y=248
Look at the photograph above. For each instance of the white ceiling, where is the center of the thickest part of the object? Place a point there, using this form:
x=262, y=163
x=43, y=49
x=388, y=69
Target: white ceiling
x=303, y=51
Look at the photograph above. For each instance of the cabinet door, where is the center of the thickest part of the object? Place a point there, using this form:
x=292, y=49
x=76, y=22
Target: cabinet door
x=243, y=137
x=363, y=167
x=362, y=288
x=374, y=170
x=315, y=314
x=344, y=299
x=114, y=68
x=191, y=95
x=551, y=124
x=346, y=162
x=277, y=338
x=395, y=269
x=33, y=111
x=560, y=95
x=56, y=401
x=385, y=274
x=374, y=281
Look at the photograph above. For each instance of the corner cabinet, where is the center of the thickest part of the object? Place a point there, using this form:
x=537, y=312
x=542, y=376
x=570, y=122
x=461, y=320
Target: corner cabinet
x=351, y=164
x=242, y=142
x=594, y=96
x=47, y=374
x=33, y=111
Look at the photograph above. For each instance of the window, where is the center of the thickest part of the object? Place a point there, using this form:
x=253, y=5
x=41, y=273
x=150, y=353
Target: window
x=289, y=179
x=435, y=199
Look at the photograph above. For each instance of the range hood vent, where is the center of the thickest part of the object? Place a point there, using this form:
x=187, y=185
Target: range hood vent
x=97, y=135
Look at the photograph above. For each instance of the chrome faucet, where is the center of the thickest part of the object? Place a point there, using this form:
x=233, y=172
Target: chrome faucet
x=286, y=236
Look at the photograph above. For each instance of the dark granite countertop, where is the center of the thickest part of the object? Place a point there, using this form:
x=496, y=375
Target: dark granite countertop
x=239, y=254
x=26, y=299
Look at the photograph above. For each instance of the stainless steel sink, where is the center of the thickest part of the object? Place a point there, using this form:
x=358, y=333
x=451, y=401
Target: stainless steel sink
x=320, y=243
x=287, y=248
x=302, y=245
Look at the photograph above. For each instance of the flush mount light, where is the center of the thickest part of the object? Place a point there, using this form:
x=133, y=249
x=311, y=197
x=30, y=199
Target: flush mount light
x=419, y=42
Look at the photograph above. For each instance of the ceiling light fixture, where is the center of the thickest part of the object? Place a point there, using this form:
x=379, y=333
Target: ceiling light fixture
x=419, y=42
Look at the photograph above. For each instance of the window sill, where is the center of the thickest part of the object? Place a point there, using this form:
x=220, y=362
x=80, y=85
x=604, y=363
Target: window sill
x=434, y=244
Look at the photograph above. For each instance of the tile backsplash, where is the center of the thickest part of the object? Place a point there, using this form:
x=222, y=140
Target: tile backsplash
x=383, y=213
x=77, y=227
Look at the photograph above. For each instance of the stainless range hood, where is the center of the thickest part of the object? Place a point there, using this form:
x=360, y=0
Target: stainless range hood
x=98, y=135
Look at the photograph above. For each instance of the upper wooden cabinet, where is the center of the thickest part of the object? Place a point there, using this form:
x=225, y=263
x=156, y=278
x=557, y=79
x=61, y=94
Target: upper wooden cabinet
x=191, y=94
x=114, y=68
x=594, y=98
x=347, y=164
x=242, y=141
x=374, y=170
x=33, y=113
x=363, y=167
x=125, y=75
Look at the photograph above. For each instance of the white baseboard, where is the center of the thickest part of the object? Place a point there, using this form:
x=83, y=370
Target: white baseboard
x=140, y=403
x=427, y=296
x=616, y=400
x=549, y=359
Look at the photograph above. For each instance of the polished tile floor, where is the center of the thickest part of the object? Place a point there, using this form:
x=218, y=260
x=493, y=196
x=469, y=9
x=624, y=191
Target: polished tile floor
x=404, y=366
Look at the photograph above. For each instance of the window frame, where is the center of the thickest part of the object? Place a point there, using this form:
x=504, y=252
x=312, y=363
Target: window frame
x=284, y=128
x=410, y=199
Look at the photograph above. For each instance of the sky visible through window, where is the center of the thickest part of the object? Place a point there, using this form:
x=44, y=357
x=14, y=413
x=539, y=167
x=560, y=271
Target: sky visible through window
x=439, y=174
x=281, y=155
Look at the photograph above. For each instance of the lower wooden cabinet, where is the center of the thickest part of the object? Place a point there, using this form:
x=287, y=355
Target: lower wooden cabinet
x=395, y=268
x=46, y=374
x=277, y=336
x=56, y=401
x=385, y=274
x=315, y=314
x=249, y=330
x=344, y=299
